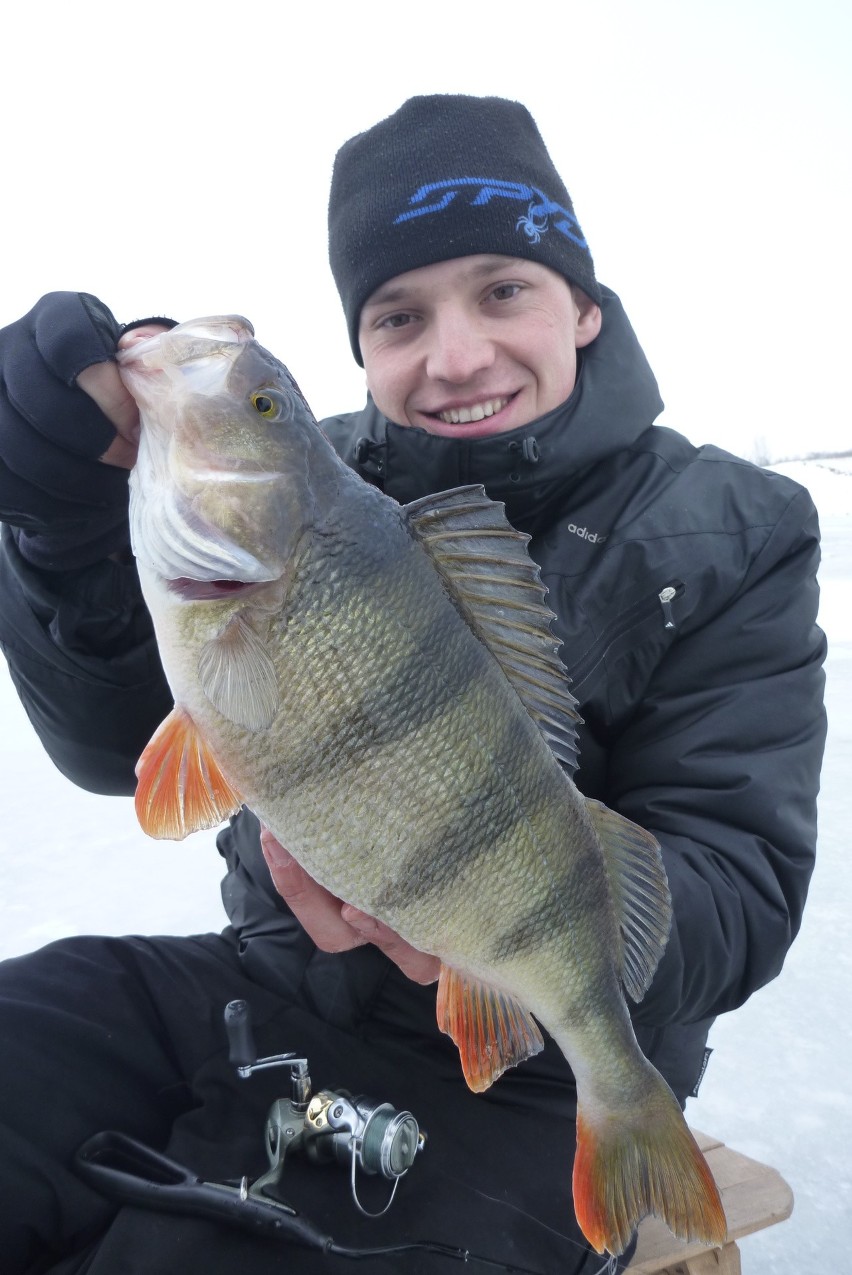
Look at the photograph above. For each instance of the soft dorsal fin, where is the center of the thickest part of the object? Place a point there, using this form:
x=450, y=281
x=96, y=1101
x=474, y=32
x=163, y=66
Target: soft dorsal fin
x=497, y=587
x=492, y=1031
x=181, y=788
x=640, y=892
x=238, y=676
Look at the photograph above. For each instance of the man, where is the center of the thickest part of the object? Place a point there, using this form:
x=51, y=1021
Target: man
x=683, y=582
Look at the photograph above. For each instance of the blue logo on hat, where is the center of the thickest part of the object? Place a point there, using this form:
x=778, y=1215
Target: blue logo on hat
x=534, y=223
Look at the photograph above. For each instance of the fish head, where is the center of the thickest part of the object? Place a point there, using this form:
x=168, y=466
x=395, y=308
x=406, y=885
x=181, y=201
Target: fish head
x=221, y=492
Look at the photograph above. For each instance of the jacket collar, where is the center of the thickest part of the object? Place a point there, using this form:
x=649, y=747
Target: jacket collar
x=614, y=400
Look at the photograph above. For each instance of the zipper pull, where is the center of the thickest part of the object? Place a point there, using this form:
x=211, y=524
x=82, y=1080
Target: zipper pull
x=666, y=595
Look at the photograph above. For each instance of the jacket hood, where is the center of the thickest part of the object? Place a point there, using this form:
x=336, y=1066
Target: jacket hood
x=614, y=400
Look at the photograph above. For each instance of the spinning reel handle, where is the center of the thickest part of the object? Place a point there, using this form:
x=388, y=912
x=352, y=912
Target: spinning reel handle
x=242, y=1050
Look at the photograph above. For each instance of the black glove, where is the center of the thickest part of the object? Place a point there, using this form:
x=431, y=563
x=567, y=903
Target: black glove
x=70, y=510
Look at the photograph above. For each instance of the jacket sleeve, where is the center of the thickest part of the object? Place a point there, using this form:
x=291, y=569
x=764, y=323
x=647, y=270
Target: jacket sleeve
x=721, y=762
x=81, y=652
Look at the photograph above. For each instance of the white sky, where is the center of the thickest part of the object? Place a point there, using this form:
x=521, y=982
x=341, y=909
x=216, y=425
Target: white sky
x=175, y=158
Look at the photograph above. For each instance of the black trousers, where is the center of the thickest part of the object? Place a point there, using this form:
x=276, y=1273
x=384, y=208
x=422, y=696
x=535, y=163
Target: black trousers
x=127, y=1035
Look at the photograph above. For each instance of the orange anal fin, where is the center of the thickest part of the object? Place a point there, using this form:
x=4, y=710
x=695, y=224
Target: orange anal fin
x=492, y=1031
x=624, y=1170
x=181, y=788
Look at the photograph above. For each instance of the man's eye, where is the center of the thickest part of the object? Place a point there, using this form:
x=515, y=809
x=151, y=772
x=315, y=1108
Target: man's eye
x=396, y=321
x=505, y=291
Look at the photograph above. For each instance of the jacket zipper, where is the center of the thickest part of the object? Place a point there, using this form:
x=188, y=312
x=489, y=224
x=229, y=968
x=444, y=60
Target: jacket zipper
x=632, y=618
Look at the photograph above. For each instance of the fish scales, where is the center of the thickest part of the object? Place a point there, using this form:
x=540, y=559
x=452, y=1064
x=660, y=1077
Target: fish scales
x=370, y=679
x=364, y=730
x=434, y=759
x=334, y=683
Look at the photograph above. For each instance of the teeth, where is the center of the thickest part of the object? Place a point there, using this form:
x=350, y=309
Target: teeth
x=464, y=415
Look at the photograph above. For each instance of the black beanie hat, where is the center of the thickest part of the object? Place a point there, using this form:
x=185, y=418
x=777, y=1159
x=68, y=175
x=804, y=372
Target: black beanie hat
x=443, y=177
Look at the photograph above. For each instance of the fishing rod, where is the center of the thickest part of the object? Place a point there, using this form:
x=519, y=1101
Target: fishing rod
x=330, y=1125
x=126, y=1170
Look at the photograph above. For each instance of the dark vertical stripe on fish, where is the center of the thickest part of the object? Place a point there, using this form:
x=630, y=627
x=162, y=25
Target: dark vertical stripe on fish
x=570, y=901
x=484, y=818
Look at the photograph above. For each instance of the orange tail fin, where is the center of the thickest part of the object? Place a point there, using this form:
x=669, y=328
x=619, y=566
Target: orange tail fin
x=644, y=1162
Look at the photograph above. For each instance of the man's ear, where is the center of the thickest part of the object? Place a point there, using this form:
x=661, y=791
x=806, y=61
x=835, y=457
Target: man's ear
x=589, y=319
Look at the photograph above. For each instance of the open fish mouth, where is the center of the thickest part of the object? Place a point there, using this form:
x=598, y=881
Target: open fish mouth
x=210, y=590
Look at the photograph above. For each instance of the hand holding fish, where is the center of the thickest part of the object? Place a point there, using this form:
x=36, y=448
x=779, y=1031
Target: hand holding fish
x=102, y=383
x=63, y=411
x=336, y=926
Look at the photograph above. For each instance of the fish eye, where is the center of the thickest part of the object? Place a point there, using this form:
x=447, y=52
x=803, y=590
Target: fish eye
x=266, y=404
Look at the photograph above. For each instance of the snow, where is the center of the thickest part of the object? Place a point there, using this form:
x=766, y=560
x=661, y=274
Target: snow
x=778, y=1084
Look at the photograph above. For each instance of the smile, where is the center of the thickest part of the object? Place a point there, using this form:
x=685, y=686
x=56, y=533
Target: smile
x=477, y=412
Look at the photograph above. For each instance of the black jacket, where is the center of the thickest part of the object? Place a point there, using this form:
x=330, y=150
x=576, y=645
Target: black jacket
x=683, y=580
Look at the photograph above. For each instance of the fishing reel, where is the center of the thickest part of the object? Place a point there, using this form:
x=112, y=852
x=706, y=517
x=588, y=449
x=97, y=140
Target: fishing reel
x=332, y=1126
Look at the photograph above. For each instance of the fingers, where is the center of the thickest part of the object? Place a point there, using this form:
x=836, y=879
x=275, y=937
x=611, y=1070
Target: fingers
x=102, y=383
x=336, y=926
x=122, y=452
x=313, y=905
x=142, y=333
x=420, y=967
x=63, y=408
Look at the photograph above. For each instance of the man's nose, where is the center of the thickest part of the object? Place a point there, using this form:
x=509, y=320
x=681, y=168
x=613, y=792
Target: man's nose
x=458, y=348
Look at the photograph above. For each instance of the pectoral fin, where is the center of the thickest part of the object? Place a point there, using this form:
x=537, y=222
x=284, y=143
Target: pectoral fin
x=238, y=677
x=492, y=1031
x=181, y=788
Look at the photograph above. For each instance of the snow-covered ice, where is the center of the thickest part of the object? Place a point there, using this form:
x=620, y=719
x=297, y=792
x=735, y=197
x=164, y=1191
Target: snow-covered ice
x=779, y=1084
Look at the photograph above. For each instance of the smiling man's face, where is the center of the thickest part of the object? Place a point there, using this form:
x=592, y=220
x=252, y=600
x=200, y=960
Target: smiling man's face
x=475, y=345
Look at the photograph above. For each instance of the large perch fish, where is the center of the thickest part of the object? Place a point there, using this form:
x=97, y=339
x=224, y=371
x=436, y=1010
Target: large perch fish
x=381, y=686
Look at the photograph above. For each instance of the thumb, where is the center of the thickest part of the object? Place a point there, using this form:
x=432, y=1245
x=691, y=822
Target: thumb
x=102, y=383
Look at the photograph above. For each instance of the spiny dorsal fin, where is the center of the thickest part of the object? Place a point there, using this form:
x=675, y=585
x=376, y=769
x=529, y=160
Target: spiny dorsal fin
x=497, y=587
x=492, y=1031
x=181, y=788
x=640, y=892
x=238, y=677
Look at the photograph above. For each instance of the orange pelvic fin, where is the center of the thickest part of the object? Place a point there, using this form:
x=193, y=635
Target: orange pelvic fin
x=492, y=1031
x=181, y=788
x=646, y=1162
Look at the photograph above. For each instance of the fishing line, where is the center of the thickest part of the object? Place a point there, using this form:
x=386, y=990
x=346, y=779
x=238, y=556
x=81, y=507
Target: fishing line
x=610, y=1266
x=431, y=1246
